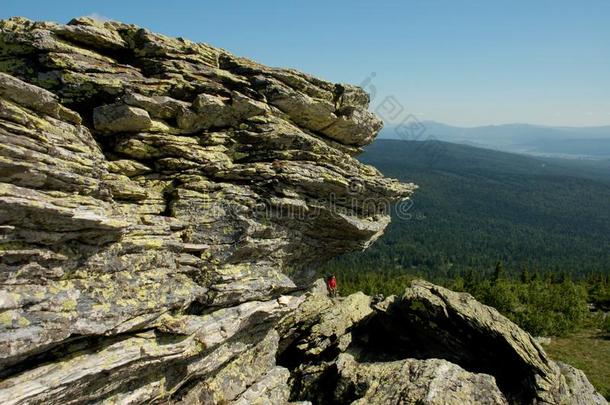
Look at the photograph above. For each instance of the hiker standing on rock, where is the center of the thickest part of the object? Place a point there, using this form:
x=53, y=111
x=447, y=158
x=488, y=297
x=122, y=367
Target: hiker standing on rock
x=331, y=284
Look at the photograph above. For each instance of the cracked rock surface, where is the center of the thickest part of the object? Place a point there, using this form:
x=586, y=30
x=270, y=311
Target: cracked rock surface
x=164, y=203
x=160, y=202
x=428, y=346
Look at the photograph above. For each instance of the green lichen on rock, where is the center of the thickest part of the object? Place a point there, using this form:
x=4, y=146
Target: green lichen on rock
x=133, y=170
x=430, y=345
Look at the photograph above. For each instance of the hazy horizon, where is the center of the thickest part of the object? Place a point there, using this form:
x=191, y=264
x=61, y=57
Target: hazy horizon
x=389, y=124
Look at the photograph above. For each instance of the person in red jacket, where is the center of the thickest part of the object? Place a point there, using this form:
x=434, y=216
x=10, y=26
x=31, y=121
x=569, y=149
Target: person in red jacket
x=331, y=284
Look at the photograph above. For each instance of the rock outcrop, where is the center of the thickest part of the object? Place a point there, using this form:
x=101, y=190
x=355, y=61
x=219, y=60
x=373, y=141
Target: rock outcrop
x=163, y=205
x=428, y=346
x=160, y=200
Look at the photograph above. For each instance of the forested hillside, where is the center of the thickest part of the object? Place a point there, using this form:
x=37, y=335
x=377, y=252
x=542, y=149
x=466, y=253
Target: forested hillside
x=514, y=231
x=476, y=207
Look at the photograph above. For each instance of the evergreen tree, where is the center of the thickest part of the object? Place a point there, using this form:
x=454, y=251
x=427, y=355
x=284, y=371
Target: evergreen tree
x=525, y=275
x=498, y=272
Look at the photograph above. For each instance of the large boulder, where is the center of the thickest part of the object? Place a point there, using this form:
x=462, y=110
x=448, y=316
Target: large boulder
x=430, y=345
x=413, y=381
x=120, y=118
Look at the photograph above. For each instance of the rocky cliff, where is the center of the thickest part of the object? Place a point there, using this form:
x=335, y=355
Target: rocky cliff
x=163, y=206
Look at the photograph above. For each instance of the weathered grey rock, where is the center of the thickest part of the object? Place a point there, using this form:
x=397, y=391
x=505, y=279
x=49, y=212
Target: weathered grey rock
x=326, y=322
x=29, y=96
x=128, y=167
x=212, y=111
x=349, y=125
x=433, y=381
x=91, y=32
x=153, y=250
x=205, y=348
x=148, y=250
x=120, y=118
x=431, y=346
x=457, y=327
x=270, y=390
x=158, y=106
x=578, y=389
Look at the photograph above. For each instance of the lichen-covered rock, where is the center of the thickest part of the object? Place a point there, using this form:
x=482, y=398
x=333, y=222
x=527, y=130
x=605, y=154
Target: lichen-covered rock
x=158, y=205
x=576, y=387
x=456, y=327
x=162, y=107
x=411, y=381
x=326, y=322
x=430, y=345
x=183, y=357
x=120, y=118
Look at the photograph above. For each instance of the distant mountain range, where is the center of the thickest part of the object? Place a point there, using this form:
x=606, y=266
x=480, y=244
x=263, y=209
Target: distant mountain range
x=565, y=142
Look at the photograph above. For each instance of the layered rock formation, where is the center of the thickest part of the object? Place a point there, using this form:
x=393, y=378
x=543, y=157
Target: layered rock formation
x=162, y=205
x=158, y=196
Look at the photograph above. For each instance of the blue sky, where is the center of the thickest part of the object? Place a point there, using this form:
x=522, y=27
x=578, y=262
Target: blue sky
x=459, y=62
